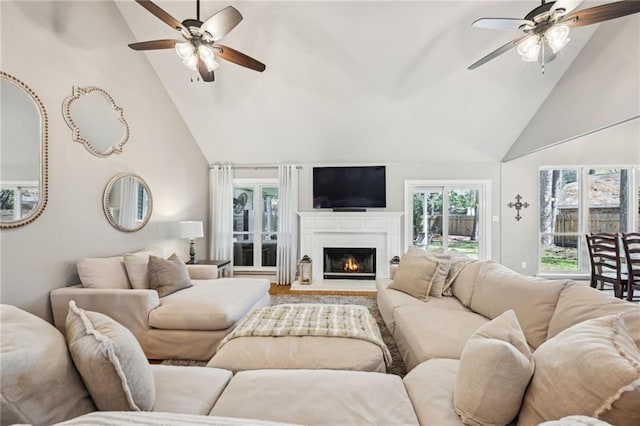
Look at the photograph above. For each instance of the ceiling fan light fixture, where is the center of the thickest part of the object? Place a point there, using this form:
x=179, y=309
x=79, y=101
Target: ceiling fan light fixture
x=191, y=62
x=208, y=57
x=557, y=37
x=185, y=49
x=529, y=49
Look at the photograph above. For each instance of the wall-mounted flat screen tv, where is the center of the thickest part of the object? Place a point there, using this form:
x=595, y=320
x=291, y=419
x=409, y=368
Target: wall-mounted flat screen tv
x=355, y=187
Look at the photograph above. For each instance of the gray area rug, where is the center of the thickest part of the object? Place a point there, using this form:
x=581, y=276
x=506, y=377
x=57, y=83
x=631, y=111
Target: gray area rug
x=397, y=366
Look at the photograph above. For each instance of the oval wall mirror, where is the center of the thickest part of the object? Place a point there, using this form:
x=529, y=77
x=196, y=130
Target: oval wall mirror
x=127, y=202
x=23, y=144
x=96, y=121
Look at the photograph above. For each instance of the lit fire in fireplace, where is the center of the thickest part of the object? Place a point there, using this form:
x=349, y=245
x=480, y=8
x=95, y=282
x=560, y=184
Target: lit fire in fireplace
x=350, y=265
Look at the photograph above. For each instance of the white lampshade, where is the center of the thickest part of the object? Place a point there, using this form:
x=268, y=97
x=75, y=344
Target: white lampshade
x=191, y=229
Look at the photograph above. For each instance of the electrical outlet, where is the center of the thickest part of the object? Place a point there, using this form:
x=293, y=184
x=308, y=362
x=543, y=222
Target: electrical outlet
x=523, y=265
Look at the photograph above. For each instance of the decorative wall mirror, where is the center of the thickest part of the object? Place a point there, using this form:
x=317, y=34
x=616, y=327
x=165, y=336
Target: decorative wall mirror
x=96, y=121
x=23, y=144
x=127, y=202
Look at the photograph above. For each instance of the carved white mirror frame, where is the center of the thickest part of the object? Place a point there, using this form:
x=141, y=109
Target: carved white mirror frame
x=109, y=207
x=43, y=186
x=78, y=93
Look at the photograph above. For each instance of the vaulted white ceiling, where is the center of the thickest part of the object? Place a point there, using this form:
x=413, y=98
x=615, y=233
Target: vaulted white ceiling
x=357, y=81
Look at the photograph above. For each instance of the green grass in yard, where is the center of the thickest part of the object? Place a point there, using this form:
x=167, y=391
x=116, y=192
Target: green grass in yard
x=559, y=259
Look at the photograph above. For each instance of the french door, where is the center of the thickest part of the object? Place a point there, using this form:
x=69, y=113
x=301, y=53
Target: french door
x=255, y=224
x=448, y=215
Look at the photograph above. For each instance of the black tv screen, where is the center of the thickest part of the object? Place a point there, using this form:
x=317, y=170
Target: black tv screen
x=349, y=187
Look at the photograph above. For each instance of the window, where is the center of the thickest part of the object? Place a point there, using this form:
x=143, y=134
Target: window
x=575, y=201
x=449, y=215
x=18, y=199
x=255, y=224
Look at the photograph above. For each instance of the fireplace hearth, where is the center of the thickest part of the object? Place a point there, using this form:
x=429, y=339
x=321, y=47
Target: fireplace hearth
x=349, y=263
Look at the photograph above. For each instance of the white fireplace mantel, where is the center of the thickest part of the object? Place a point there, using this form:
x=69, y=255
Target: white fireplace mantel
x=380, y=230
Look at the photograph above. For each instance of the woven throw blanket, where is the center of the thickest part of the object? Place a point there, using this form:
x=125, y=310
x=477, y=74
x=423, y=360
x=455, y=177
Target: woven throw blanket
x=305, y=319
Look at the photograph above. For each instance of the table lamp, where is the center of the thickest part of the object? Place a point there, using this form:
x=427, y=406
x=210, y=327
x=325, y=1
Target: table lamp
x=191, y=230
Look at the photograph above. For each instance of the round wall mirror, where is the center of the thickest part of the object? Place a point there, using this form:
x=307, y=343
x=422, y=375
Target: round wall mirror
x=127, y=202
x=96, y=121
x=23, y=144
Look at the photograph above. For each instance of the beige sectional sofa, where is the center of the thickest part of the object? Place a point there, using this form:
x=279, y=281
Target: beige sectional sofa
x=431, y=336
x=559, y=320
x=42, y=384
x=186, y=324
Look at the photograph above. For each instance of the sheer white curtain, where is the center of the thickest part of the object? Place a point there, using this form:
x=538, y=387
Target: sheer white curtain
x=287, y=224
x=221, y=195
x=128, y=202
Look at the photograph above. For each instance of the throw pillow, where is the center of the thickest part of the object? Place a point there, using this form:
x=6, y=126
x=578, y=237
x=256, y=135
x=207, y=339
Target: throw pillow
x=414, y=276
x=103, y=272
x=168, y=276
x=137, y=266
x=495, y=369
x=110, y=360
x=458, y=262
x=590, y=369
x=443, y=262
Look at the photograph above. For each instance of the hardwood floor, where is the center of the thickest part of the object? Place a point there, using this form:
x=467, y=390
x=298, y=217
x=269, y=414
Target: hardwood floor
x=286, y=290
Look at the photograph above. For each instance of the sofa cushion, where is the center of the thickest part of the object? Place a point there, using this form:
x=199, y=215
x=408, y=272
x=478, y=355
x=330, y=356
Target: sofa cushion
x=32, y=350
x=534, y=300
x=443, y=261
x=103, y=418
x=209, y=304
x=331, y=397
x=110, y=361
x=188, y=389
x=167, y=276
x=415, y=276
x=430, y=387
x=137, y=266
x=495, y=369
x=579, y=302
x=423, y=332
x=464, y=282
x=590, y=369
x=103, y=272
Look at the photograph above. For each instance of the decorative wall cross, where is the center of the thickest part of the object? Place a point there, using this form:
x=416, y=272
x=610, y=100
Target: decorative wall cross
x=518, y=205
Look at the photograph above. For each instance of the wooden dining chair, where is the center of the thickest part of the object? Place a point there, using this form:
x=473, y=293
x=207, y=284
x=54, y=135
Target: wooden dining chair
x=606, y=264
x=631, y=247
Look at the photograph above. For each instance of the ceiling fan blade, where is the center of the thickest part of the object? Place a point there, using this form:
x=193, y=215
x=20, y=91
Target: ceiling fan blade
x=154, y=45
x=222, y=22
x=239, y=58
x=567, y=5
x=204, y=71
x=499, y=51
x=501, y=23
x=605, y=12
x=162, y=15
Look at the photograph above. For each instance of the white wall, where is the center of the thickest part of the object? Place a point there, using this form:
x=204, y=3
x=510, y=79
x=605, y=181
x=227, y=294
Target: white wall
x=615, y=146
x=52, y=46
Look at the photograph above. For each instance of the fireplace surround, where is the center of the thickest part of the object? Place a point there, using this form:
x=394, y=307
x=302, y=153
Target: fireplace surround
x=379, y=230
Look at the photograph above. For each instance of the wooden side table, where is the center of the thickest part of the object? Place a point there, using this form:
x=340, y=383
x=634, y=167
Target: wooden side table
x=223, y=266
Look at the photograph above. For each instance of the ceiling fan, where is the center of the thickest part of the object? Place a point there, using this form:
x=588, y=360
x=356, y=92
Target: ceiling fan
x=546, y=28
x=200, y=48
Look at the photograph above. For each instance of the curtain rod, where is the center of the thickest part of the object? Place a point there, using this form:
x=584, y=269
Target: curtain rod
x=249, y=166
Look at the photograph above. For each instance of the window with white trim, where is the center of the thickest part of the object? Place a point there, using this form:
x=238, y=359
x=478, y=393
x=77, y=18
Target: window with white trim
x=579, y=200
